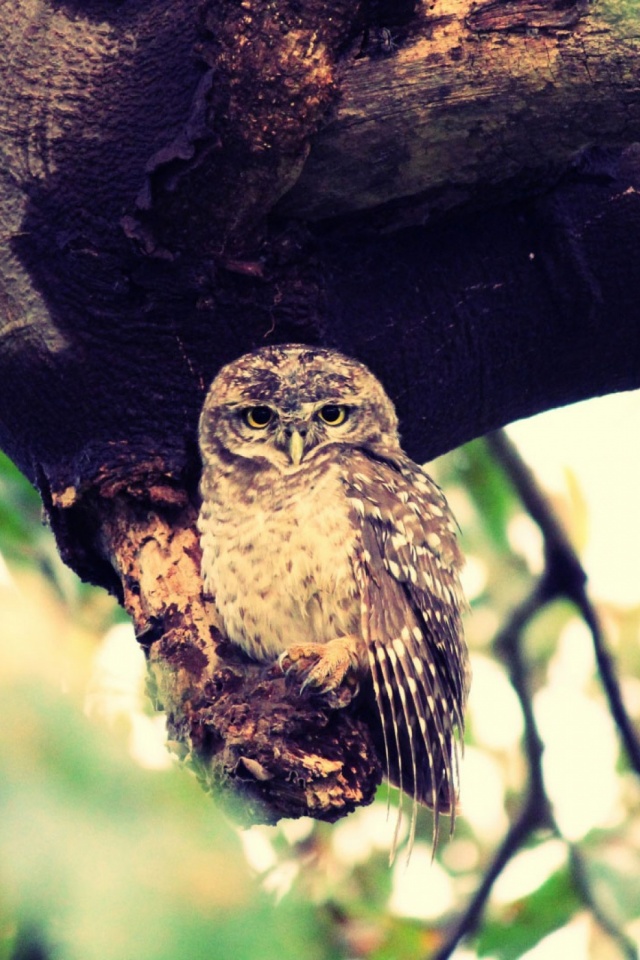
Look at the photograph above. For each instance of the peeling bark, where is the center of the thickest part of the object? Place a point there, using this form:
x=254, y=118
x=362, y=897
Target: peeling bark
x=477, y=101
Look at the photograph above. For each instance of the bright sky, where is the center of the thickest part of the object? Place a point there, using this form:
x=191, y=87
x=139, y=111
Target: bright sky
x=599, y=442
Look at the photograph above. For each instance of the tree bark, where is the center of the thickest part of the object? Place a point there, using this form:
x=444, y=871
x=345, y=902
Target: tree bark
x=475, y=101
x=447, y=192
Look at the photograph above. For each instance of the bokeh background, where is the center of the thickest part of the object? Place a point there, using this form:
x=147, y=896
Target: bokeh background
x=109, y=849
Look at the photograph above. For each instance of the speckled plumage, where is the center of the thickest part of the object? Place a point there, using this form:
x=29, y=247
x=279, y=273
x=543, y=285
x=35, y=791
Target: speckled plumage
x=322, y=541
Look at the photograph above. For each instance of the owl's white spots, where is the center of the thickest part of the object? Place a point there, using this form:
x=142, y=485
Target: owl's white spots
x=394, y=569
x=317, y=529
x=399, y=648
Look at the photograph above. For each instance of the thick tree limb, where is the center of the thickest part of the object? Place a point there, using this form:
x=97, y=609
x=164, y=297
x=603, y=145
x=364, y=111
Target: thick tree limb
x=472, y=324
x=475, y=97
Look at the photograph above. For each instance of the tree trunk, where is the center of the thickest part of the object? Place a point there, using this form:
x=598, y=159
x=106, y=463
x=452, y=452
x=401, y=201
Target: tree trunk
x=448, y=192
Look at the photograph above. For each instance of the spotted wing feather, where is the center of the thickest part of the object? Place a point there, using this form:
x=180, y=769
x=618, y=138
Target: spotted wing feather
x=407, y=571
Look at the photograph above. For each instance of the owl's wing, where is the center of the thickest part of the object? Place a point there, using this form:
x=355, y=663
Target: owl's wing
x=411, y=600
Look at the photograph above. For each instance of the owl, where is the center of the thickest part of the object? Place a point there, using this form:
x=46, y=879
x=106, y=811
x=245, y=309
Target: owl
x=326, y=548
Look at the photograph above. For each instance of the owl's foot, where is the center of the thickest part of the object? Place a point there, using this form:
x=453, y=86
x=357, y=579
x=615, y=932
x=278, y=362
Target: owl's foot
x=328, y=669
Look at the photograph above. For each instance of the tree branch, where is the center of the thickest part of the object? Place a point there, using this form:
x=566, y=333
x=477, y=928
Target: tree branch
x=534, y=812
x=565, y=577
x=580, y=875
x=441, y=121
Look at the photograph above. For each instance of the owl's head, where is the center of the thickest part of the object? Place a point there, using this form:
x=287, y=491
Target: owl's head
x=284, y=403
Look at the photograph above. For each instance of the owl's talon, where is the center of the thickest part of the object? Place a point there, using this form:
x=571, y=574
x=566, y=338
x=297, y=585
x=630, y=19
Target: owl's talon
x=281, y=663
x=327, y=669
x=306, y=683
x=300, y=658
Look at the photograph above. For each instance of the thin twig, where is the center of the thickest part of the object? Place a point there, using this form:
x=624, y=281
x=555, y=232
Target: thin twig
x=579, y=873
x=610, y=681
x=566, y=577
x=560, y=555
x=507, y=645
x=535, y=810
x=525, y=823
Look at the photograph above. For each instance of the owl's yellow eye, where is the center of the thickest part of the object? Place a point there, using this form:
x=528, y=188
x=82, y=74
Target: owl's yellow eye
x=333, y=414
x=258, y=417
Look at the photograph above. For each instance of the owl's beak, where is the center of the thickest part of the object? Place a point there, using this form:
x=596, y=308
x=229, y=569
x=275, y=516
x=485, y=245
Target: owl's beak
x=296, y=447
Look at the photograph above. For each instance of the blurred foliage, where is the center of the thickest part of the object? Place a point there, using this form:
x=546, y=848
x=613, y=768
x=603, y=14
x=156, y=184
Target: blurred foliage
x=103, y=856
x=100, y=858
x=545, y=910
x=492, y=496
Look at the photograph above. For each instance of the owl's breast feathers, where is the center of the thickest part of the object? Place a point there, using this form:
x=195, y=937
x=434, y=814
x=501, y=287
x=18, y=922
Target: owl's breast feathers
x=280, y=562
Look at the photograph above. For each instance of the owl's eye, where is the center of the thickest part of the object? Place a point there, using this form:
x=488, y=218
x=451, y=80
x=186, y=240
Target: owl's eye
x=257, y=417
x=333, y=414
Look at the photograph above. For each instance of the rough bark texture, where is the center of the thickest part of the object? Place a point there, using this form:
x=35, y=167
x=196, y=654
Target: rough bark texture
x=449, y=192
x=475, y=99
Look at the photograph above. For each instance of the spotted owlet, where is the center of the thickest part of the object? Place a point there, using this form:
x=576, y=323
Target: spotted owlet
x=326, y=547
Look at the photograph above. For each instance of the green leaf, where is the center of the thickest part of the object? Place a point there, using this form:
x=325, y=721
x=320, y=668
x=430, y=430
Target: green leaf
x=488, y=488
x=522, y=924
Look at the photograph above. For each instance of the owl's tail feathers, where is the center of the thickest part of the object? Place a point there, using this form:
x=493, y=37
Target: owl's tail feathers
x=418, y=724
